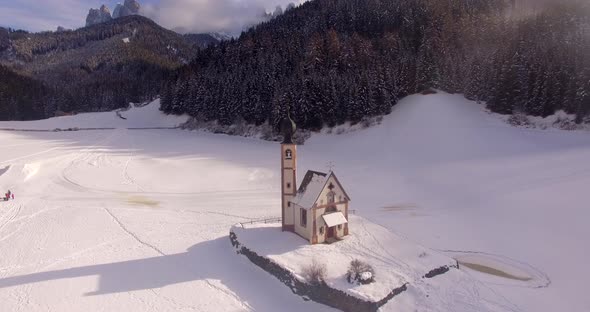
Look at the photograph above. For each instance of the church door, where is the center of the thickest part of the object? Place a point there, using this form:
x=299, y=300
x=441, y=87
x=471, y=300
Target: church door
x=330, y=233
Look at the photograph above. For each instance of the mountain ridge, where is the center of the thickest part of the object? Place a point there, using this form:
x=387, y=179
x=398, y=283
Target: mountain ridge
x=99, y=67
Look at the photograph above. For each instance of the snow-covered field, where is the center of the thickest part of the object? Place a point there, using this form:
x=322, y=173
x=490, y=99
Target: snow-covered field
x=395, y=260
x=121, y=219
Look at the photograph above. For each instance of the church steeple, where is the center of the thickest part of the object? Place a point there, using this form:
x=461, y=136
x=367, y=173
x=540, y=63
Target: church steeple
x=288, y=173
x=288, y=128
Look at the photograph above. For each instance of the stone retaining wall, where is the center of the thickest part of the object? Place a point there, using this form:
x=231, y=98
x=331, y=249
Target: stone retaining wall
x=321, y=293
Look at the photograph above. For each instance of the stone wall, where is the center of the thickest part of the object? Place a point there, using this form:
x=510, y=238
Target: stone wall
x=321, y=293
x=440, y=271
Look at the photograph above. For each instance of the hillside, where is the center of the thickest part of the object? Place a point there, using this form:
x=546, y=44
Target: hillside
x=331, y=61
x=100, y=67
x=132, y=220
x=22, y=97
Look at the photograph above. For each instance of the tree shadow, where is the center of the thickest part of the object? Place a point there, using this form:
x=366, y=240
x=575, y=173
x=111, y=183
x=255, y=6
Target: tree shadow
x=4, y=170
x=210, y=260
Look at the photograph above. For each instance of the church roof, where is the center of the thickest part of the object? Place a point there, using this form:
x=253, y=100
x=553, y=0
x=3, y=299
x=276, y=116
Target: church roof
x=312, y=186
x=309, y=178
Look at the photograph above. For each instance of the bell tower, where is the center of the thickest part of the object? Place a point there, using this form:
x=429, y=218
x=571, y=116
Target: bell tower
x=288, y=174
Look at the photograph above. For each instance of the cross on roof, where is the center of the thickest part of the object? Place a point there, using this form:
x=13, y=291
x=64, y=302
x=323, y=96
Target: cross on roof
x=330, y=166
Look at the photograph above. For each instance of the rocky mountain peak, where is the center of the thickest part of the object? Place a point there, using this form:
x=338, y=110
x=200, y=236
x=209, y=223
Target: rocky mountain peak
x=130, y=7
x=97, y=16
x=133, y=6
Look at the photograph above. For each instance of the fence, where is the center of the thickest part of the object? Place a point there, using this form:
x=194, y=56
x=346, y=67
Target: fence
x=265, y=221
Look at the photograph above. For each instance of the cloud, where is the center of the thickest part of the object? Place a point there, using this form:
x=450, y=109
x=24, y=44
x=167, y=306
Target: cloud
x=201, y=16
x=35, y=15
x=189, y=15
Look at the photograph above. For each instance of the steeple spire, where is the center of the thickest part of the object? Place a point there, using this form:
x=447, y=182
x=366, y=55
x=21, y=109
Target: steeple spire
x=288, y=128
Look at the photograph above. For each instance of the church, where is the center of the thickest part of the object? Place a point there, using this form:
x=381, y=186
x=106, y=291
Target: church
x=318, y=209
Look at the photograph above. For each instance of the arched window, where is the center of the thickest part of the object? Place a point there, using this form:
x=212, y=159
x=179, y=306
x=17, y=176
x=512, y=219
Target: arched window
x=288, y=154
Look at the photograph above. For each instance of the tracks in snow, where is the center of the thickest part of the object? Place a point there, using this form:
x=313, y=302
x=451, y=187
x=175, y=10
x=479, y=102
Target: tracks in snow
x=139, y=240
x=10, y=216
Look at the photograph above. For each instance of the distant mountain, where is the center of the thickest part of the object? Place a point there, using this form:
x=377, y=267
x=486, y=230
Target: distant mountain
x=103, y=15
x=130, y=7
x=133, y=7
x=220, y=36
x=100, y=67
x=97, y=16
x=201, y=40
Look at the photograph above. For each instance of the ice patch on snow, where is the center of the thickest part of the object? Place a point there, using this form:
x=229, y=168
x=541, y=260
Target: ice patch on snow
x=498, y=269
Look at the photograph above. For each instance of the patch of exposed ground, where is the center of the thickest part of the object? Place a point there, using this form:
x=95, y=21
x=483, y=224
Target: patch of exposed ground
x=493, y=271
x=142, y=201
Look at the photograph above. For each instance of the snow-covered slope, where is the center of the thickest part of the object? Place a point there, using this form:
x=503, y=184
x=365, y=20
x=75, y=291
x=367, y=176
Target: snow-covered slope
x=138, y=220
x=148, y=116
x=447, y=174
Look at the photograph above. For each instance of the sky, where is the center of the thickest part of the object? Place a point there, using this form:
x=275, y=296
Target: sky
x=191, y=15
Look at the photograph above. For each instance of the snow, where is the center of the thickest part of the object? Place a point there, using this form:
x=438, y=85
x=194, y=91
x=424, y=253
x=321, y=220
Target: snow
x=395, y=260
x=365, y=276
x=334, y=219
x=148, y=116
x=313, y=189
x=126, y=40
x=138, y=219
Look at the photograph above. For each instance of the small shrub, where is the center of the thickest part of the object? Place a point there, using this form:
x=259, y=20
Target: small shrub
x=564, y=123
x=360, y=273
x=519, y=120
x=367, y=122
x=315, y=273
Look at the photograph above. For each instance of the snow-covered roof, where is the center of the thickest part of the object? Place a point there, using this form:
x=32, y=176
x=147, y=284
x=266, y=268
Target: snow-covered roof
x=334, y=219
x=310, y=189
x=312, y=186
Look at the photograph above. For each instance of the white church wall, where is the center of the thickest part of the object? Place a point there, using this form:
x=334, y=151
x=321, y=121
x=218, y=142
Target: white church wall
x=304, y=231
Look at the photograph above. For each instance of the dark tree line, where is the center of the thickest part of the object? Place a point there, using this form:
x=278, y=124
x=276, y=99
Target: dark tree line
x=21, y=97
x=329, y=61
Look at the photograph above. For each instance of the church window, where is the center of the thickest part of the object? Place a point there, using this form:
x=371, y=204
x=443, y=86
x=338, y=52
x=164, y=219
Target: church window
x=288, y=154
x=288, y=185
x=340, y=226
x=303, y=217
x=331, y=196
x=288, y=204
x=322, y=230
